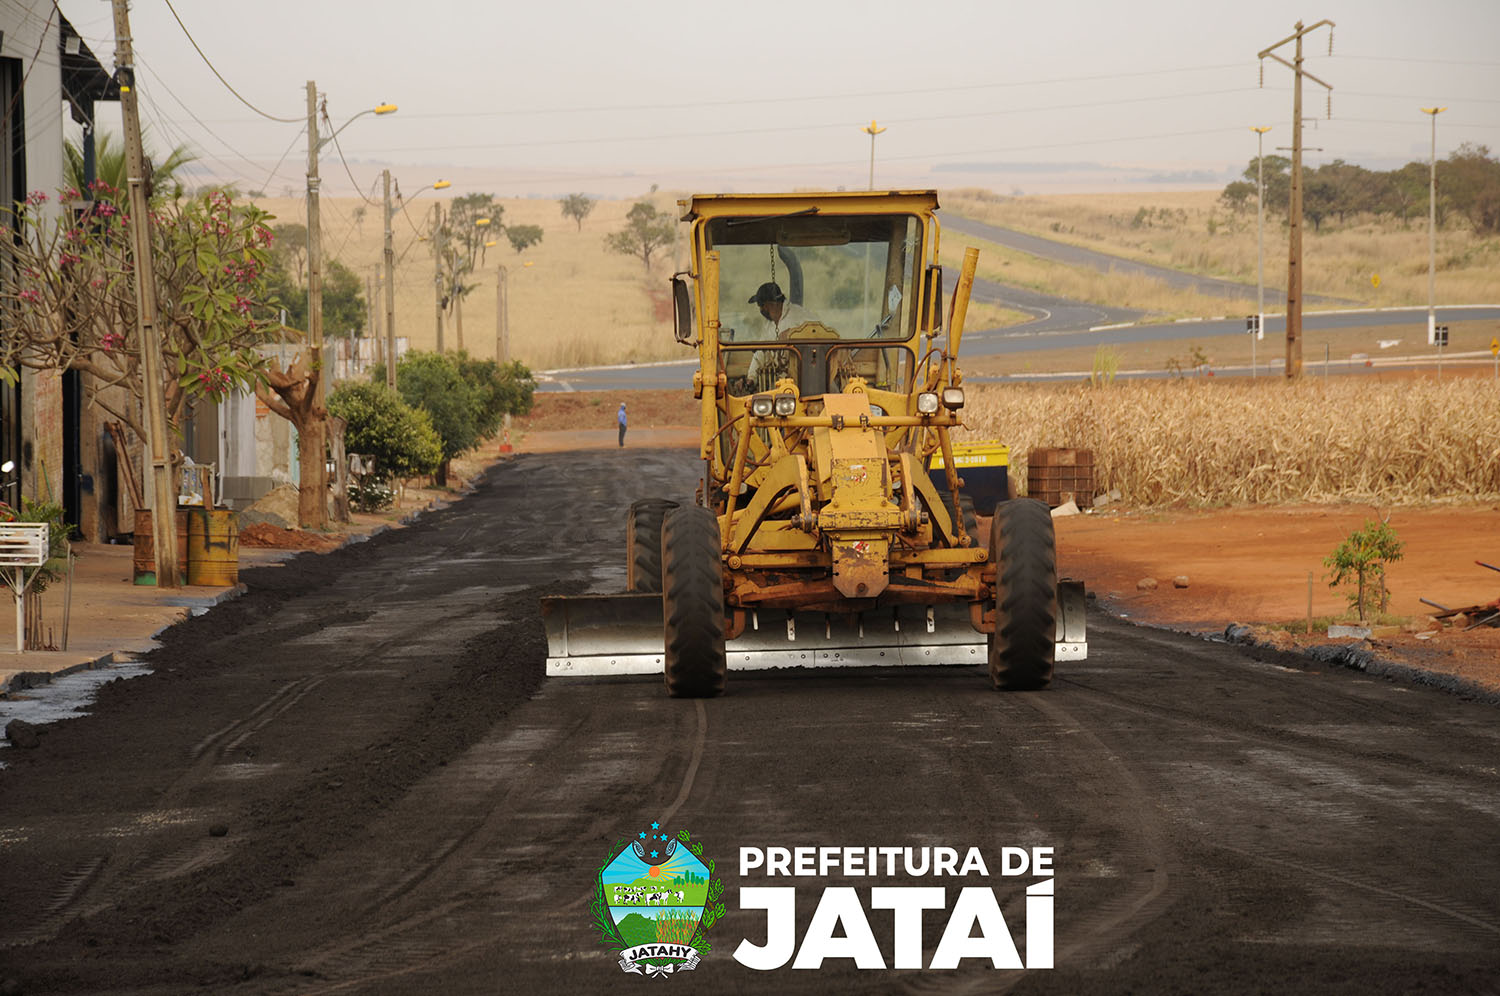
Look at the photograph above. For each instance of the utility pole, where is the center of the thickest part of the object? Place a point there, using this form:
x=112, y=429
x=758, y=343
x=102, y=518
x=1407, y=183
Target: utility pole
x=316, y=430
x=163, y=492
x=390, y=292
x=437, y=270
x=501, y=339
x=1432, y=112
x=1260, y=239
x=1294, y=213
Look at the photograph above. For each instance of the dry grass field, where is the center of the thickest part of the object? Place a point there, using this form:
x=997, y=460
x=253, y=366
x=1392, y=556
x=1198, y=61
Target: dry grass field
x=572, y=302
x=1195, y=232
x=1204, y=442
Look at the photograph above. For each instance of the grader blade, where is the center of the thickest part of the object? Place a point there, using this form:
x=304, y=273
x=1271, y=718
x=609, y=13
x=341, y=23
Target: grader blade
x=622, y=634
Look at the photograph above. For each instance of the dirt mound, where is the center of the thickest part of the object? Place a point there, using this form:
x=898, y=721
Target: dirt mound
x=263, y=534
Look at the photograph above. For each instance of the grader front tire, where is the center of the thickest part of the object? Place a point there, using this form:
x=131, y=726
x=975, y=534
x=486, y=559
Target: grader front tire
x=693, y=604
x=1023, y=550
x=643, y=544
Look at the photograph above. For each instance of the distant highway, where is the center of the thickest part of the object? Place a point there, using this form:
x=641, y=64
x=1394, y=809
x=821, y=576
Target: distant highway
x=1055, y=330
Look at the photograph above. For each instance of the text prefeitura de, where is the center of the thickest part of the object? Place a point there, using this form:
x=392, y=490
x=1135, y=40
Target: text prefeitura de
x=890, y=861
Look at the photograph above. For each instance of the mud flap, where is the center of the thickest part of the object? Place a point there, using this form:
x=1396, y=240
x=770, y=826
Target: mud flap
x=1072, y=632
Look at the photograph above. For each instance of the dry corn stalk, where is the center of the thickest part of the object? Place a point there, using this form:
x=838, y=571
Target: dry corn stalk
x=1201, y=442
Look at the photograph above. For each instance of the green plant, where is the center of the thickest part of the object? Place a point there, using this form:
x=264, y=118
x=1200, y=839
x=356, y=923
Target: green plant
x=367, y=493
x=58, y=531
x=1106, y=366
x=401, y=439
x=1361, y=559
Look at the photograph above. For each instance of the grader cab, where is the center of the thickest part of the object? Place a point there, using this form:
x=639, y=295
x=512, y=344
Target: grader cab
x=817, y=537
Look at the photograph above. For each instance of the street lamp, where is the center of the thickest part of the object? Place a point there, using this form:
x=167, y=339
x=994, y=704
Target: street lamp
x=1260, y=239
x=1432, y=112
x=318, y=509
x=390, y=278
x=872, y=130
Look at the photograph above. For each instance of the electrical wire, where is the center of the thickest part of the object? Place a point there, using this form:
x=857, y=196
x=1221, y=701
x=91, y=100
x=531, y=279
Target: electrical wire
x=220, y=75
x=334, y=135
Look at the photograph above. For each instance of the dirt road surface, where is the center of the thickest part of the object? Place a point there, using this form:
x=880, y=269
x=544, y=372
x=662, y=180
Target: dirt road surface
x=355, y=779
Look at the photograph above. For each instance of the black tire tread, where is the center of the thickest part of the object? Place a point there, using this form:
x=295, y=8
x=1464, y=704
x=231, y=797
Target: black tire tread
x=643, y=544
x=1023, y=548
x=694, y=665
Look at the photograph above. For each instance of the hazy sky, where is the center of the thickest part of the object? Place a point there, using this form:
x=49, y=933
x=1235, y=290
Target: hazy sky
x=610, y=97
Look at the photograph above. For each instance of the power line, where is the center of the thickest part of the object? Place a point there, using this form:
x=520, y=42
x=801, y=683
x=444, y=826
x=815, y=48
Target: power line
x=216, y=72
x=334, y=135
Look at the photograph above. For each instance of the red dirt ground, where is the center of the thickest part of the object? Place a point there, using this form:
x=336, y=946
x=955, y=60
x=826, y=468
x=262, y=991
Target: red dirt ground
x=263, y=534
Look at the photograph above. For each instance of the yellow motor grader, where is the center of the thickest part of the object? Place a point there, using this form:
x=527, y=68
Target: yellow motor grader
x=818, y=537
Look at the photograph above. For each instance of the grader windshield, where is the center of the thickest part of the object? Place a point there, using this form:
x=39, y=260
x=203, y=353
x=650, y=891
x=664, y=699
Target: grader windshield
x=817, y=298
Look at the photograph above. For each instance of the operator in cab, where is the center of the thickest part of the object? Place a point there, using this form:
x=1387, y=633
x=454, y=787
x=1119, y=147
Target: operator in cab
x=781, y=315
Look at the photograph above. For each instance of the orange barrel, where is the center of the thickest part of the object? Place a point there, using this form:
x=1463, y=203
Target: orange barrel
x=144, y=560
x=213, y=547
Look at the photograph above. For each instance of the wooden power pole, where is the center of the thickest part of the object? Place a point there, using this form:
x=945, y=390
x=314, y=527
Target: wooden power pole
x=1294, y=210
x=163, y=491
x=313, y=510
x=437, y=269
x=390, y=292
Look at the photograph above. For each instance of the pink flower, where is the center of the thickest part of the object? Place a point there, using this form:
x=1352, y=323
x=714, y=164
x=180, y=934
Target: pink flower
x=29, y=295
x=36, y=197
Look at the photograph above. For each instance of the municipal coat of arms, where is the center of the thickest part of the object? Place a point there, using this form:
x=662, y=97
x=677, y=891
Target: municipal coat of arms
x=655, y=899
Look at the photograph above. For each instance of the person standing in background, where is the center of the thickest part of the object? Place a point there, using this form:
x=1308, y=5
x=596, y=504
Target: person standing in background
x=621, y=420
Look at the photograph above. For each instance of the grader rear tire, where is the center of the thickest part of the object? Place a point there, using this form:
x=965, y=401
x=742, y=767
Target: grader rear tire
x=693, y=604
x=643, y=544
x=1023, y=549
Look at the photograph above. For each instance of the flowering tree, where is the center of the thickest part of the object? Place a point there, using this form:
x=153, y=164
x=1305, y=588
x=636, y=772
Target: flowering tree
x=67, y=301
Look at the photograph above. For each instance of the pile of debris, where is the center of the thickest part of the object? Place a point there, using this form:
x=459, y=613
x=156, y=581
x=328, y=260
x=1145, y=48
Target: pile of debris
x=1470, y=616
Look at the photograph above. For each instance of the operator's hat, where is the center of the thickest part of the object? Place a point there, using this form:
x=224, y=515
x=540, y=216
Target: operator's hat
x=768, y=291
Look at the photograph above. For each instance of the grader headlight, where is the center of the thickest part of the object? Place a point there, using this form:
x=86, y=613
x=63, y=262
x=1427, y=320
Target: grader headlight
x=761, y=405
x=786, y=404
x=927, y=403
x=953, y=398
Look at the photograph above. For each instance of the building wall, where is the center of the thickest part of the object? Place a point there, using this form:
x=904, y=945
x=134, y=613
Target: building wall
x=31, y=38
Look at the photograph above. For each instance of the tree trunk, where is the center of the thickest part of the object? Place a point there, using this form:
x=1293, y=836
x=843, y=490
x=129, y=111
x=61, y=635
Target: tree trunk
x=336, y=427
x=295, y=400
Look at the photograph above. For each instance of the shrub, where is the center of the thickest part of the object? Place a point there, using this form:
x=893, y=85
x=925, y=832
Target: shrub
x=1360, y=560
x=402, y=439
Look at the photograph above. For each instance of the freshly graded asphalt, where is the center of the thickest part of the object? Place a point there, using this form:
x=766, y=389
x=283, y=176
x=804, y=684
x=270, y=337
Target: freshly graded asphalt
x=354, y=778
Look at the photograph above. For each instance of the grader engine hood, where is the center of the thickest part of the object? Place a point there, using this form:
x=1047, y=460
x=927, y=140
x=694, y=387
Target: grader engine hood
x=859, y=516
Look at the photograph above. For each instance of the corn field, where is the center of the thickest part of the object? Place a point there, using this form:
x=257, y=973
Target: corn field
x=1205, y=442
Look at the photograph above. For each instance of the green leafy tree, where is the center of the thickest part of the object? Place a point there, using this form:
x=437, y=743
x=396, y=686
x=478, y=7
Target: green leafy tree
x=500, y=390
x=1470, y=179
x=435, y=383
x=1360, y=560
x=460, y=242
x=523, y=237
x=344, y=307
x=646, y=230
x=577, y=207
x=401, y=438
